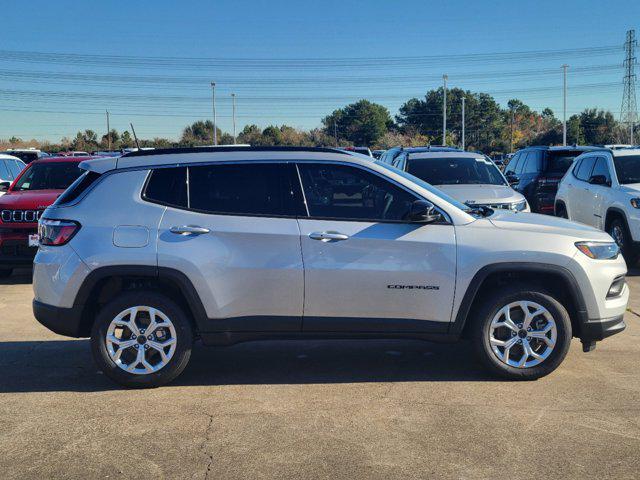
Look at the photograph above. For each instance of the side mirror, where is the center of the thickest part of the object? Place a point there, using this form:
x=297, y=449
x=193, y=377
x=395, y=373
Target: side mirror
x=512, y=178
x=423, y=211
x=599, y=180
x=4, y=186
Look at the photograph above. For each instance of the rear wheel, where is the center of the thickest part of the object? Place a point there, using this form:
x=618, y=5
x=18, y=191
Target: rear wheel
x=522, y=333
x=5, y=272
x=142, y=340
x=620, y=233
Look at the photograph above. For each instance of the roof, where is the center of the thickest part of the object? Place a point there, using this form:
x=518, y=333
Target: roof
x=172, y=156
x=578, y=148
x=444, y=154
x=6, y=156
x=62, y=159
x=624, y=152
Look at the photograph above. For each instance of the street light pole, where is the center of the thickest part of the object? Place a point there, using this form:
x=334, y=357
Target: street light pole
x=463, y=100
x=444, y=111
x=108, y=132
x=213, y=104
x=233, y=99
x=564, y=105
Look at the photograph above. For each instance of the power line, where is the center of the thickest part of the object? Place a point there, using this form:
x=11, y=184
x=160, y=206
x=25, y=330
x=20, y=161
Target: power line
x=286, y=63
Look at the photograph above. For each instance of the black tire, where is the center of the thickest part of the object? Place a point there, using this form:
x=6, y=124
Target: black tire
x=561, y=211
x=490, y=307
x=5, y=272
x=176, y=364
x=620, y=233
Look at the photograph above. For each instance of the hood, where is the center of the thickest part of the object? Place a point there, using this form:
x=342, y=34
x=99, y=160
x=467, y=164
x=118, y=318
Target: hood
x=482, y=194
x=534, y=222
x=29, y=200
x=631, y=188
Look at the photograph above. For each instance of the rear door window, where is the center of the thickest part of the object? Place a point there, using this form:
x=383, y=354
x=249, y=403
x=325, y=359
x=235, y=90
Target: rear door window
x=602, y=168
x=264, y=189
x=532, y=164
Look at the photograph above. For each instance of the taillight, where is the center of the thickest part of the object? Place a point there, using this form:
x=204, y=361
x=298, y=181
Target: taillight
x=56, y=232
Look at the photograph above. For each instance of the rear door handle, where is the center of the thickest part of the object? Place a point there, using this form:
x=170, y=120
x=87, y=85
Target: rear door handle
x=189, y=230
x=328, y=236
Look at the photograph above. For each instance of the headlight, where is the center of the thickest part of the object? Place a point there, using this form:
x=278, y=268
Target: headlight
x=599, y=250
x=519, y=206
x=635, y=202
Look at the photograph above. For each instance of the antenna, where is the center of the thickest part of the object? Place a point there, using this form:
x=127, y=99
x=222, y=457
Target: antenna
x=135, y=137
x=629, y=110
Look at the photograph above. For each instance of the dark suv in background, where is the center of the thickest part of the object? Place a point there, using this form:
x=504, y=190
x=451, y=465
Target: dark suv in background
x=536, y=171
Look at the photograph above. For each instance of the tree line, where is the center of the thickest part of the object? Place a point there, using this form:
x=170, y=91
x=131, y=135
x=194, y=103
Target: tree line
x=488, y=127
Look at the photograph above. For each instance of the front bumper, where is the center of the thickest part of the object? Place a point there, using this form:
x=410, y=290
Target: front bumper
x=63, y=321
x=595, y=330
x=14, y=248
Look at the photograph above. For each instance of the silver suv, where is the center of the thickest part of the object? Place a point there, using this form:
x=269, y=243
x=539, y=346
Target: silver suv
x=148, y=252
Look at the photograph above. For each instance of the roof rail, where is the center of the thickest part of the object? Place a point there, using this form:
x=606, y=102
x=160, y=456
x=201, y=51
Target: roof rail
x=178, y=150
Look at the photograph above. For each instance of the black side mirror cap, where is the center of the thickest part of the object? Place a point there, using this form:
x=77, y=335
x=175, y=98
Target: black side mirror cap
x=4, y=186
x=599, y=180
x=423, y=211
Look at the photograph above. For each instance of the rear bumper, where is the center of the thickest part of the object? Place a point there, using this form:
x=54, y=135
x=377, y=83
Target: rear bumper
x=63, y=321
x=596, y=330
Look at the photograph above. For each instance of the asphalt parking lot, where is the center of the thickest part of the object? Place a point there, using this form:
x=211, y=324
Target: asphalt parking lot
x=342, y=409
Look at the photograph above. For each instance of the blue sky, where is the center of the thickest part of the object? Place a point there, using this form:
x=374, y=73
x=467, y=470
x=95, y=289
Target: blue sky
x=51, y=96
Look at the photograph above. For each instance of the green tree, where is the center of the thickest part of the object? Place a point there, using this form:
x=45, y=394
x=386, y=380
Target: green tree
x=199, y=133
x=362, y=123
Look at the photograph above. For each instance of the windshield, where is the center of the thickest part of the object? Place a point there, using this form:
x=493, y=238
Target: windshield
x=456, y=171
x=627, y=168
x=48, y=176
x=426, y=186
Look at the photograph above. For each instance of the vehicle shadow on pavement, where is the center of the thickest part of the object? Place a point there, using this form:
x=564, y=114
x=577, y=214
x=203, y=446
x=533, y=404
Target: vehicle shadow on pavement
x=66, y=365
x=19, y=277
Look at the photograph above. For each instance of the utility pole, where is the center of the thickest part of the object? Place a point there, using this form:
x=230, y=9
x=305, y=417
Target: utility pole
x=564, y=105
x=233, y=100
x=108, y=132
x=213, y=103
x=463, y=100
x=444, y=110
x=629, y=110
x=511, y=136
x=335, y=132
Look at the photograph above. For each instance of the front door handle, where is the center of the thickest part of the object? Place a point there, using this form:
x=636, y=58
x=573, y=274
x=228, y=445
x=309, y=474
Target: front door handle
x=328, y=236
x=189, y=230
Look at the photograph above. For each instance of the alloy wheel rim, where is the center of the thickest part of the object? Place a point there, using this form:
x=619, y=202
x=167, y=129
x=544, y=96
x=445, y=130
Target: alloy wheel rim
x=141, y=340
x=523, y=334
x=618, y=236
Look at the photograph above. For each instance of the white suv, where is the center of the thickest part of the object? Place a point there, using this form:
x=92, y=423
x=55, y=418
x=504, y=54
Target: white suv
x=147, y=252
x=602, y=189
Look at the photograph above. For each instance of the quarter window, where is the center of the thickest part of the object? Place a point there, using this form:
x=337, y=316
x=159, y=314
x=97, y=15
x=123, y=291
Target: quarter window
x=168, y=186
x=344, y=192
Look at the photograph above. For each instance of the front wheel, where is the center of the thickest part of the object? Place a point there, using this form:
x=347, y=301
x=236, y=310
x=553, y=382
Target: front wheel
x=142, y=340
x=620, y=233
x=522, y=333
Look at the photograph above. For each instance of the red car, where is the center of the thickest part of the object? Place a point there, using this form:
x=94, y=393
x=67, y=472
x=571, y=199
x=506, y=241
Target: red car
x=37, y=187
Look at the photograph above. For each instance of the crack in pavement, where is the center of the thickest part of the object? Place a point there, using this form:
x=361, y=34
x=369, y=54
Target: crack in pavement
x=205, y=442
